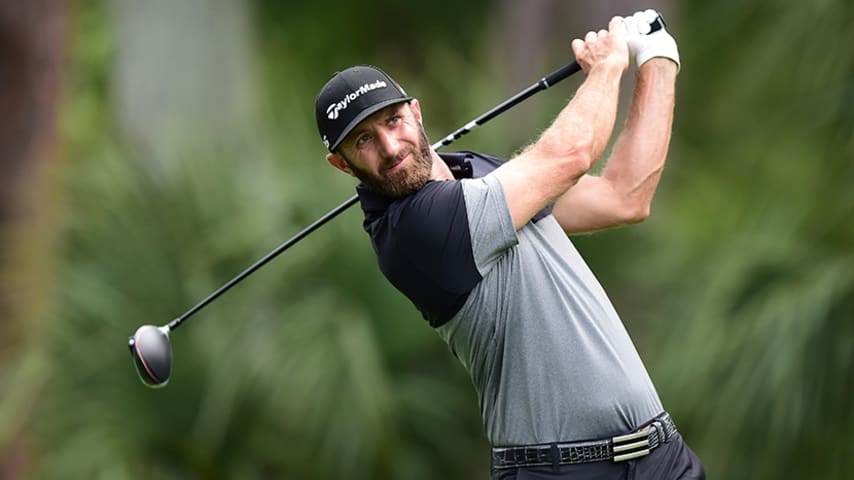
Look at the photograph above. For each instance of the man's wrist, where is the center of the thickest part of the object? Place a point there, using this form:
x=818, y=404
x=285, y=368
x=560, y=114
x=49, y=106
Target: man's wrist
x=608, y=70
x=659, y=65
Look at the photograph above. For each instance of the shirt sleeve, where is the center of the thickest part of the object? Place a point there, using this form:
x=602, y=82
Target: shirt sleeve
x=490, y=224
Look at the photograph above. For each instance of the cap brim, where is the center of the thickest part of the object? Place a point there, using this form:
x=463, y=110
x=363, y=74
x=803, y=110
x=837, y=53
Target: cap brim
x=363, y=115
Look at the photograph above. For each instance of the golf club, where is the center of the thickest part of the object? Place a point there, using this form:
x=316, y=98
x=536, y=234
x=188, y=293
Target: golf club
x=150, y=347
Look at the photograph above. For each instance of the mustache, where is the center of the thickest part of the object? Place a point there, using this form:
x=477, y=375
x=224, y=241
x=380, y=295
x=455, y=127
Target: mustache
x=391, y=161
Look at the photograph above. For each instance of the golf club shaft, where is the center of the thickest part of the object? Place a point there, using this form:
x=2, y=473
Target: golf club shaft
x=260, y=263
x=543, y=84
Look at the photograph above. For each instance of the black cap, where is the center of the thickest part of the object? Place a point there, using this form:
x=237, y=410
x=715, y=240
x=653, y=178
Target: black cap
x=351, y=96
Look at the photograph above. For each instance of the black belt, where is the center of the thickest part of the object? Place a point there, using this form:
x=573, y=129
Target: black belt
x=620, y=448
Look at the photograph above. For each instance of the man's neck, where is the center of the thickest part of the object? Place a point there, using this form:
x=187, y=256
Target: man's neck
x=440, y=170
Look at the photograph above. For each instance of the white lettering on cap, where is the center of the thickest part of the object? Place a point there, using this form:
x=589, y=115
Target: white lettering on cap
x=334, y=109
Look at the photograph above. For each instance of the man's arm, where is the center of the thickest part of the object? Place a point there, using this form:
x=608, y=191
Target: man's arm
x=569, y=147
x=623, y=193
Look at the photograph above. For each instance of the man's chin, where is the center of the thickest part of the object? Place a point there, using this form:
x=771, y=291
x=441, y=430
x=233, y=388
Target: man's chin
x=404, y=188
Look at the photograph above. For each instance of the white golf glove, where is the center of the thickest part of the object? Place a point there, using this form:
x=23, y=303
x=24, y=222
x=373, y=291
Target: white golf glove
x=644, y=45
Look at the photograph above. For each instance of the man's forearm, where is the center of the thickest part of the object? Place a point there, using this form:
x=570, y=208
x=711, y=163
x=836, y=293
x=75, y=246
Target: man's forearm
x=640, y=151
x=588, y=117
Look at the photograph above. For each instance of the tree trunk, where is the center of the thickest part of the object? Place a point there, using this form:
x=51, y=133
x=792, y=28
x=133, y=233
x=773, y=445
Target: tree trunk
x=32, y=62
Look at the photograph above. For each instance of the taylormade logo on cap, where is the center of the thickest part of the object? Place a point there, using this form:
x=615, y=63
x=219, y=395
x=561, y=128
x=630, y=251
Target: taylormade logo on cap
x=333, y=109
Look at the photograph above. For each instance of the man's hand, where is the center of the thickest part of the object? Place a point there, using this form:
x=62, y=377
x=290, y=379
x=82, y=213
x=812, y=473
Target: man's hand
x=644, y=45
x=603, y=47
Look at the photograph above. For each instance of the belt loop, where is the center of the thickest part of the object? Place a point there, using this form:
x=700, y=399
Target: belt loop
x=555, y=457
x=660, y=432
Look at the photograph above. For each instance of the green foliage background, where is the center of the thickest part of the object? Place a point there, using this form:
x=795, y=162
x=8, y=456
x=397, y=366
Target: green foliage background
x=739, y=290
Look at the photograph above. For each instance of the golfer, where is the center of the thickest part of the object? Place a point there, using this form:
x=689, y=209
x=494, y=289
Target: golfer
x=481, y=247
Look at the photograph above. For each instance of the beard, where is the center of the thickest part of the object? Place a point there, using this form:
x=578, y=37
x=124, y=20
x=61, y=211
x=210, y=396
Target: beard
x=403, y=181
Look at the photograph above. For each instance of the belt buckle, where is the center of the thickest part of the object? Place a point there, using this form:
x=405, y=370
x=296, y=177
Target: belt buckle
x=630, y=446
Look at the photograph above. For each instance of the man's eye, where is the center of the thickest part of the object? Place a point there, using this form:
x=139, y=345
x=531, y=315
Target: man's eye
x=394, y=120
x=362, y=140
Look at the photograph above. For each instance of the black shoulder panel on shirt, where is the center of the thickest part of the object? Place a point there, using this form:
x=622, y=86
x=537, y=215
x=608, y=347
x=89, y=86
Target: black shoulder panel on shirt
x=424, y=248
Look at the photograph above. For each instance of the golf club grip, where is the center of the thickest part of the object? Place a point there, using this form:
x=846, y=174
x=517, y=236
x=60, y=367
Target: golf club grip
x=574, y=67
x=561, y=73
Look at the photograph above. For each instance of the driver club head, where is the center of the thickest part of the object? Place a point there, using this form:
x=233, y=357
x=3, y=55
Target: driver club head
x=152, y=355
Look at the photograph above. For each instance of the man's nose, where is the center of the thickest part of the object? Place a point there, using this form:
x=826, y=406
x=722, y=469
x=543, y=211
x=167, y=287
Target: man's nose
x=388, y=143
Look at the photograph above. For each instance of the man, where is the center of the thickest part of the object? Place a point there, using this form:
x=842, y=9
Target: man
x=480, y=246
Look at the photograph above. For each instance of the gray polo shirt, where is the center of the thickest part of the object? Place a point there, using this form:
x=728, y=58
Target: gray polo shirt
x=546, y=351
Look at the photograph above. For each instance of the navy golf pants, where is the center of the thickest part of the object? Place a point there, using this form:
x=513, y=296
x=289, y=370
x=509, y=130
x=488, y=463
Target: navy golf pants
x=670, y=461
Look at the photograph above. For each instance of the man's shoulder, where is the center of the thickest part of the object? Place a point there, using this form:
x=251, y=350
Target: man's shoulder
x=423, y=247
x=432, y=201
x=433, y=206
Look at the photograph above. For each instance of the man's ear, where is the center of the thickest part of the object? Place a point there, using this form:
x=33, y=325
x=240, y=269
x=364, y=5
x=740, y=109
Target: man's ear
x=338, y=162
x=416, y=109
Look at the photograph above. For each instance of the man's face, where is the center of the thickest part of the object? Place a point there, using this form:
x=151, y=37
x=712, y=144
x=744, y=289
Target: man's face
x=388, y=151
